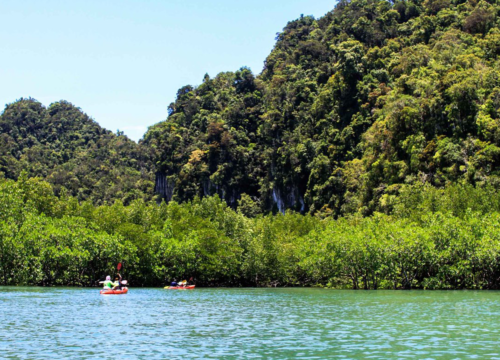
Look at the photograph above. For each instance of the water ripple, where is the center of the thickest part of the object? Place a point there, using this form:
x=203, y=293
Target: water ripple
x=60, y=323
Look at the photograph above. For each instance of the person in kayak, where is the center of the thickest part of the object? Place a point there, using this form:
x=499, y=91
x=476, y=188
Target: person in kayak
x=108, y=284
x=174, y=283
x=118, y=282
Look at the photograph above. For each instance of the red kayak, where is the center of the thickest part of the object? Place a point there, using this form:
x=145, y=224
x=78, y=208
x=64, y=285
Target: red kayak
x=114, y=292
x=188, y=287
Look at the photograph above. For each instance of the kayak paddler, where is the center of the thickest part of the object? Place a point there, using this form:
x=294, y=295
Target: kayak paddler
x=108, y=284
x=118, y=282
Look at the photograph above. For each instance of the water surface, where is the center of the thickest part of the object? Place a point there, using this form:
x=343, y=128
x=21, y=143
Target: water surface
x=61, y=323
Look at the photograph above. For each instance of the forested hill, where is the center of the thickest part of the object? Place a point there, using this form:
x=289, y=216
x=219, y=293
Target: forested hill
x=349, y=107
x=72, y=152
x=348, y=110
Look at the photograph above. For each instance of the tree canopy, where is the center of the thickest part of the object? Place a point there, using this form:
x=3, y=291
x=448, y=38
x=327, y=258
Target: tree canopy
x=379, y=122
x=72, y=152
x=349, y=107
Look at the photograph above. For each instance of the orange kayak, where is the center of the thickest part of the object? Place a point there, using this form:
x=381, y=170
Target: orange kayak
x=188, y=287
x=114, y=292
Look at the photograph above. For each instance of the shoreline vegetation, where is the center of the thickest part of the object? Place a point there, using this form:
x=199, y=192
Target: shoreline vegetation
x=429, y=239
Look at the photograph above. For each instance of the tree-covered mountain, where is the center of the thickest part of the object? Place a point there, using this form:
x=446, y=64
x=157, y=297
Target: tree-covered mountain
x=71, y=151
x=348, y=108
x=377, y=107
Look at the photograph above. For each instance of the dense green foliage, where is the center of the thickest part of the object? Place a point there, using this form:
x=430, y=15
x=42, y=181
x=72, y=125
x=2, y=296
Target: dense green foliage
x=380, y=122
x=349, y=107
x=450, y=243
x=71, y=151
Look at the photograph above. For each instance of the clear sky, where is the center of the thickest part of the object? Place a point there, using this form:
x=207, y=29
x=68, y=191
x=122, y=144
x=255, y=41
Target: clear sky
x=122, y=61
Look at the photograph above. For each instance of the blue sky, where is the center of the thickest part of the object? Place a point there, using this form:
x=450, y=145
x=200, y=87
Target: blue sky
x=123, y=61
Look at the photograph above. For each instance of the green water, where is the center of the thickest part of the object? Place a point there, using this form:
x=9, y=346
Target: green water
x=43, y=323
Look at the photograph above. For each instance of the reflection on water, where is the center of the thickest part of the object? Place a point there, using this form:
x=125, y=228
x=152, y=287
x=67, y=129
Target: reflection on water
x=248, y=323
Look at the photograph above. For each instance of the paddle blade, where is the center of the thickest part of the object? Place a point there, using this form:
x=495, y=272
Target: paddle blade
x=119, y=266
